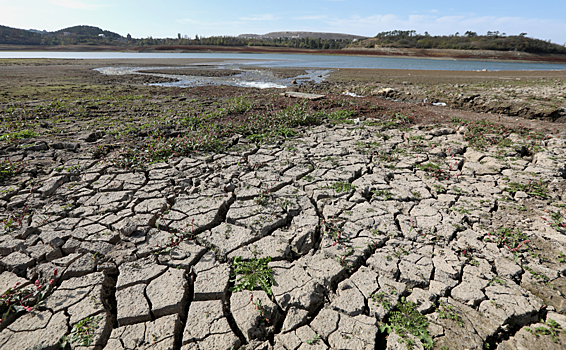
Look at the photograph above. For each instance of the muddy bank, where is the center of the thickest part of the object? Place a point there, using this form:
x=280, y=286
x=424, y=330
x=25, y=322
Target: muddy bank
x=526, y=94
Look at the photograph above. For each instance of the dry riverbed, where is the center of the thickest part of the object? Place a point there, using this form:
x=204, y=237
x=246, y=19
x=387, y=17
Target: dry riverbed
x=223, y=218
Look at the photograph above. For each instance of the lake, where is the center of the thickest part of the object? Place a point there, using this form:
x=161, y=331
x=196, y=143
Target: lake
x=306, y=61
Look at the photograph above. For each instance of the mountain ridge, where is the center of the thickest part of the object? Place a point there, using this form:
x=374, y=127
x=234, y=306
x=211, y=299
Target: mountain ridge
x=302, y=34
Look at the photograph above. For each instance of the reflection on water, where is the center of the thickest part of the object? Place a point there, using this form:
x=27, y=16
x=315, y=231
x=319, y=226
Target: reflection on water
x=246, y=78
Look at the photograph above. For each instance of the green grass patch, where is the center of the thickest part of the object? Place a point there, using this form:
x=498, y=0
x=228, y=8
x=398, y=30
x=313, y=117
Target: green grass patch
x=9, y=168
x=512, y=239
x=534, y=188
x=18, y=135
x=251, y=274
x=341, y=186
x=406, y=319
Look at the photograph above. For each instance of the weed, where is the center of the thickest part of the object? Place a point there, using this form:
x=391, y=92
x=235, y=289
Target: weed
x=83, y=332
x=314, y=340
x=448, y=312
x=259, y=307
x=341, y=186
x=382, y=193
x=16, y=299
x=512, y=239
x=536, y=275
x=9, y=168
x=552, y=330
x=252, y=273
x=434, y=170
x=381, y=298
x=558, y=222
x=18, y=135
x=407, y=320
x=537, y=189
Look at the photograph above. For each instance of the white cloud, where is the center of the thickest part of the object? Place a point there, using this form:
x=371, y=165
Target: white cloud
x=310, y=18
x=265, y=17
x=75, y=5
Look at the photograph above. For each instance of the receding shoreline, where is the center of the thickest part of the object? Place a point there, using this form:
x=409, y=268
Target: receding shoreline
x=440, y=54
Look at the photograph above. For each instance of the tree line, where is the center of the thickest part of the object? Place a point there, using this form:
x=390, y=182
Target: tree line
x=87, y=35
x=493, y=40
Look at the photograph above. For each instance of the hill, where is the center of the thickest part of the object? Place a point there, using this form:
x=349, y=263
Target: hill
x=14, y=36
x=300, y=35
x=67, y=36
x=86, y=31
x=469, y=41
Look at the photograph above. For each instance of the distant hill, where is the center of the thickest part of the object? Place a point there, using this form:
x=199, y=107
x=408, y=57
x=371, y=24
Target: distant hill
x=67, y=36
x=14, y=36
x=409, y=39
x=300, y=35
x=87, y=31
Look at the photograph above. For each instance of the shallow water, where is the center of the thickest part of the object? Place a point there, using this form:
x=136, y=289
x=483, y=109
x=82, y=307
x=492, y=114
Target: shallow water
x=307, y=61
x=247, y=77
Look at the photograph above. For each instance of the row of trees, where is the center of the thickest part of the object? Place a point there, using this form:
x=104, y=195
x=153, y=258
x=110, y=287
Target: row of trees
x=87, y=35
x=469, y=41
x=303, y=43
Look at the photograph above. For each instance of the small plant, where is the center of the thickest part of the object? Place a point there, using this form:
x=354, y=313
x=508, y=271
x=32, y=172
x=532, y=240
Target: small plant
x=552, y=330
x=533, y=188
x=9, y=168
x=83, y=332
x=341, y=186
x=259, y=307
x=558, y=222
x=16, y=299
x=381, y=298
x=433, y=170
x=314, y=340
x=407, y=320
x=512, y=239
x=383, y=193
x=18, y=135
x=448, y=312
x=252, y=273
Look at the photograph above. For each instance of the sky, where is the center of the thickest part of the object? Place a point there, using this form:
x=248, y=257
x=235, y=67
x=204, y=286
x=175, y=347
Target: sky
x=166, y=18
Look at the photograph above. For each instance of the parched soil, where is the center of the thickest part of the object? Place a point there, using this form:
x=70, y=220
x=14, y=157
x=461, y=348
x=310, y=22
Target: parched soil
x=539, y=95
x=217, y=217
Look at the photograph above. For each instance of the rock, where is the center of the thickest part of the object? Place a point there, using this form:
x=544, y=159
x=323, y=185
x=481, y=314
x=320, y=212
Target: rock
x=511, y=304
x=295, y=318
x=18, y=263
x=350, y=300
x=158, y=334
x=212, y=284
x=139, y=271
x=168, y=293
x=293, y=286
x=42, y=338
x=132, y=305
x=254, y=314
x=208, y=327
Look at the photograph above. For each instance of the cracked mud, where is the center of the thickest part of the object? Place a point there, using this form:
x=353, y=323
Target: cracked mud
x=358, y=222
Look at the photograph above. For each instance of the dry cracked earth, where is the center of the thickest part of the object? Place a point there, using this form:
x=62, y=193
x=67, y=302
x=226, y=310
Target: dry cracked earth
x=363, y=230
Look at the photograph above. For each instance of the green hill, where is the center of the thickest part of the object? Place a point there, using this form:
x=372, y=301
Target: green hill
x=68, y=36
x=467, y=41
x=14, y=36
x=87, y=31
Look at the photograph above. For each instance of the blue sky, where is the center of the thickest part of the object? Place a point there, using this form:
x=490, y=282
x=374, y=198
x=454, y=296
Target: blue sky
x=166, y=18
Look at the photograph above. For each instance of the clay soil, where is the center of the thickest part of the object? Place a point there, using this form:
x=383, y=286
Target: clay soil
x=132, y=204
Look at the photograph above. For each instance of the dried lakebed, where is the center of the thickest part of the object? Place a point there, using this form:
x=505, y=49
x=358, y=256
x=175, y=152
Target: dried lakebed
x=361, y=238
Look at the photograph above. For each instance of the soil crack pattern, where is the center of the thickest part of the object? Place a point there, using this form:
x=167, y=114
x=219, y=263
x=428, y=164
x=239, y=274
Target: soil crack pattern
x=357, y=235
